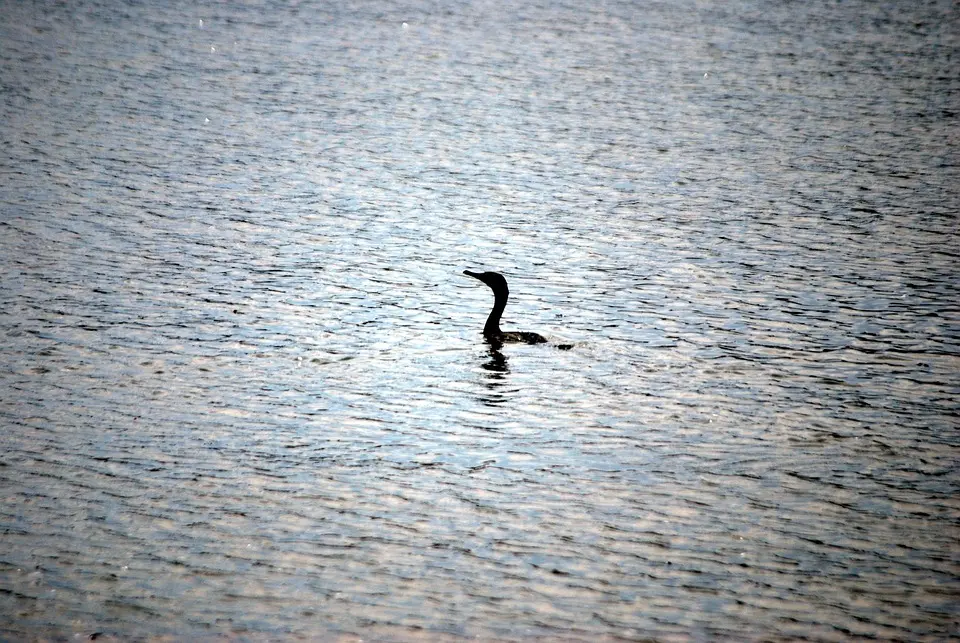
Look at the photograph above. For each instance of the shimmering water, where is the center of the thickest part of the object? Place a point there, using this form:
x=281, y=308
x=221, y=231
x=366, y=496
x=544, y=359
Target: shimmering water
x=243, y=390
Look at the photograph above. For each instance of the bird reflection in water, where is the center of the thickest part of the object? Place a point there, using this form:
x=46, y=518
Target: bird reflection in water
x=497, y=369
x=497, y=364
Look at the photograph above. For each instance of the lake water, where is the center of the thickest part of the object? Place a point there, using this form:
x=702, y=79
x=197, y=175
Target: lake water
x=243, y=388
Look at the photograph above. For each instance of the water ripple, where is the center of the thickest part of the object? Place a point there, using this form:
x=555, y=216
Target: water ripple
x=245, y=388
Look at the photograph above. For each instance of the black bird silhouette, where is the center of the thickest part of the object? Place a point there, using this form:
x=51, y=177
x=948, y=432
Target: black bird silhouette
x=491, y=330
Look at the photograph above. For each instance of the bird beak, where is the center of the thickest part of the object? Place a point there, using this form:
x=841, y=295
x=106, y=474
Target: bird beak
x=475, y=275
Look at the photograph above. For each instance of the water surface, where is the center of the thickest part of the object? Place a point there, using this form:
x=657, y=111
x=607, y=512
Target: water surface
x=244, y=390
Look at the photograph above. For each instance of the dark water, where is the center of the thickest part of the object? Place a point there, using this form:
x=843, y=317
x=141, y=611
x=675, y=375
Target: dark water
x=243, y=390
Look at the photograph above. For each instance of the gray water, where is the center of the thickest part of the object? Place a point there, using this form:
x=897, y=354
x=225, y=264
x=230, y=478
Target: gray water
x=243, y=388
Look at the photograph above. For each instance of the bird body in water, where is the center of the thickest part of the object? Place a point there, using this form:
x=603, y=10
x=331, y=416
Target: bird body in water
x=491, y=330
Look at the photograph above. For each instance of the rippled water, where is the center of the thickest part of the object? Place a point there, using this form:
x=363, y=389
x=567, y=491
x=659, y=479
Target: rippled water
x=244, y=389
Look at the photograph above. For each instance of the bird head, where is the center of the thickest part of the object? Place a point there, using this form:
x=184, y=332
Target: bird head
x=493, y=279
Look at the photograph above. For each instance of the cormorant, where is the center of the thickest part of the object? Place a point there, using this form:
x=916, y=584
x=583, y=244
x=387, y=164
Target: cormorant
x=491, y=330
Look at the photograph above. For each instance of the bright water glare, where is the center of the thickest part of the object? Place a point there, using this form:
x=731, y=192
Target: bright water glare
x=243, y=386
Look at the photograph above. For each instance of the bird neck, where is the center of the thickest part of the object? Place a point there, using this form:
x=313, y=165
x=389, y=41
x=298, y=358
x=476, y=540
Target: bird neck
x=492, y=327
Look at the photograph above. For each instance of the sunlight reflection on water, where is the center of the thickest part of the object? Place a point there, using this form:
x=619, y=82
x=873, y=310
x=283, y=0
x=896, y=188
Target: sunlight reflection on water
x=246, y=387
